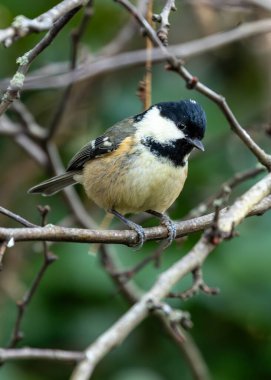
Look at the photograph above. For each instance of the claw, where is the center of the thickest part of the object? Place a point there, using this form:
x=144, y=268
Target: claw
x=171, y=227
x=168, y=223
x=133, y=226
x=140, y=233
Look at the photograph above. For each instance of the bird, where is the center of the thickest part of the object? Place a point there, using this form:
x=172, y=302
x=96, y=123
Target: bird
x=140, y=164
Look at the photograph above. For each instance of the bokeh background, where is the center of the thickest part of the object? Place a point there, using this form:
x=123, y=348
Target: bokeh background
x=77, y=301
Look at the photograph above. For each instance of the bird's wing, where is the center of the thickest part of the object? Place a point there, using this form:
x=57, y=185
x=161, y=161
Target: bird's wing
x=103, y=144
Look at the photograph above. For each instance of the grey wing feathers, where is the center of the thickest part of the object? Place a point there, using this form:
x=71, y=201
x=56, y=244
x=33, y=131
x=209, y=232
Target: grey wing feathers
x=80, y=158
x=94, y=148
x=106, y=143
x=103, y=144
x=54, y=184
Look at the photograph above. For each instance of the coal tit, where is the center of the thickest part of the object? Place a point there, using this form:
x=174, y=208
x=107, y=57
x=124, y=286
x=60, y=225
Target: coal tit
x=139, y=164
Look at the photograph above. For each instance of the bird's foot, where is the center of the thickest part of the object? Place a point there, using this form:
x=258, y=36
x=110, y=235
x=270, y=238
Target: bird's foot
x=171, y=227
x=168, y=223
x=133, y=226
x=141, y=238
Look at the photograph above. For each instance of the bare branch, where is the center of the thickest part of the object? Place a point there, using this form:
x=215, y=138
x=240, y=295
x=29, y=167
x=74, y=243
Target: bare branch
x=198, y=285
x=76, y=35
x=261, y=3
x=17, y=82
x=3, y=248
x=16, y=217
x=163, y=19
x=63, y=234
x=22, y=26
x=29, y=124
x=131, y=292
x=225, y=190
x=194, y=259
x=191, y=353
x=192, y=82
x=234, y=4
x=38, y=353
x=53, y=77
x=49, y=258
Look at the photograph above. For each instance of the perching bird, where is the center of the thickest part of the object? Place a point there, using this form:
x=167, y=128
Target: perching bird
x=139, y=164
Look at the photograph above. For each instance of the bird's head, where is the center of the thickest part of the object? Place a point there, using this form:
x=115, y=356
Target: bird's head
x=189, y=118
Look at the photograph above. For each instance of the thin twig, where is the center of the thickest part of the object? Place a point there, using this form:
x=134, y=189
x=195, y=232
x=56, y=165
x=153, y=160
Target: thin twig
x=17, y=82
x=148, y=67
x=163, y=19
x=233, y=4
x=76, y=35
x=22, y=26
x=49, y=258
x=27, y=134
x=3, y=248
x=144, y=90
x=17, y=217
x=57, y=75
x=198, y=285
x=39, y=354
x=225, y=190
x=191, y=353
x=129, y=290
x=126, y=275
x=27, y=121
x=132, y=294
x=192, y=82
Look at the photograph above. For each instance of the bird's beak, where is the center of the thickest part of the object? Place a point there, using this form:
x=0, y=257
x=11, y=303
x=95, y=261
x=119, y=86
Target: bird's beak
x=196, y=143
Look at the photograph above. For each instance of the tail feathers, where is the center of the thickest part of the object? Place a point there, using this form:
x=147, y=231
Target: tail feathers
x=54, y=184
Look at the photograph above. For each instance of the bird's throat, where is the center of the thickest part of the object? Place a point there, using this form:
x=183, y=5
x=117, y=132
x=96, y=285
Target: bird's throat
x=175, y=151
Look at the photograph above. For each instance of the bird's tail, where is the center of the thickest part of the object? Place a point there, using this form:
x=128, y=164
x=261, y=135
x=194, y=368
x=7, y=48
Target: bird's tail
x=54, y=184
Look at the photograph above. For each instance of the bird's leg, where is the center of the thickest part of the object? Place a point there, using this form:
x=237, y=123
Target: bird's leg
x=168, y=223
x=134, y=226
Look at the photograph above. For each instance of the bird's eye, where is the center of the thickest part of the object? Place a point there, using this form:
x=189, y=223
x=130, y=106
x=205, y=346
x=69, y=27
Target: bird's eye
x=181, y=125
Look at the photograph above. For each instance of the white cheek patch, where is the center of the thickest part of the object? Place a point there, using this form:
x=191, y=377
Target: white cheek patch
x=158, y=127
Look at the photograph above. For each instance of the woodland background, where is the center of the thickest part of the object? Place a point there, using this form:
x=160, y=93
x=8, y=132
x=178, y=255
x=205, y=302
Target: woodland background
x=76, y=300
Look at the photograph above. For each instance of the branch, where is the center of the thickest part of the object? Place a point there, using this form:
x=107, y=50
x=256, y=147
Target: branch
x=76, y=35
x=16, y=217
x=3, y=248
x=63, y=234
x=22, y=26
x=145, y=86
x=232, y=4
x=29, y=125
x=225, y=190
x=261, y=4
x=49, y=258
x=10, y=128
x=37, y=353
x=132, y=294
x=53, y=76
x=163, y=19
x=198, y=285
x=17, y=82
x=191, y=353
x=192, y=82
x=194, y=259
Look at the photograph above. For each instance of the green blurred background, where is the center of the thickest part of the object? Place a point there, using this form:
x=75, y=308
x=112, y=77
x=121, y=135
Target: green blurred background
x=77, y=301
